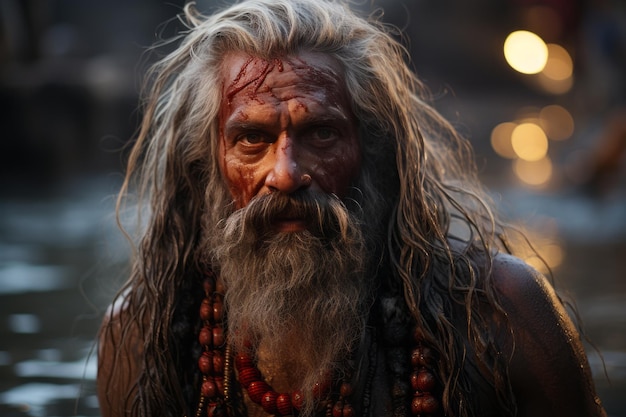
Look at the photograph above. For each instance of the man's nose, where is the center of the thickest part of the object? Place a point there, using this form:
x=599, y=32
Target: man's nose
x=287, y=174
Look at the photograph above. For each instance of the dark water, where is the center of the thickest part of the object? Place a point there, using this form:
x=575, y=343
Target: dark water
x=61, y=259
x=59, y=265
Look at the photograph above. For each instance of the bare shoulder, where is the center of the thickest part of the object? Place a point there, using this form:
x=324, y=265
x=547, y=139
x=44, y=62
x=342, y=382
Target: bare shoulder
x=120, y=351
x=515, y=278
x=549, y=368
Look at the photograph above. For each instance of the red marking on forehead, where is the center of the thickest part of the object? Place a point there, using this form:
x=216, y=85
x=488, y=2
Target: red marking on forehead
x=254, y=72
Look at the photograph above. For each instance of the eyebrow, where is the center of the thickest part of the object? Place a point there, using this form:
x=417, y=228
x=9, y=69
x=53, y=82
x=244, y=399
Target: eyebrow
x=242, y=125
x=330, y=115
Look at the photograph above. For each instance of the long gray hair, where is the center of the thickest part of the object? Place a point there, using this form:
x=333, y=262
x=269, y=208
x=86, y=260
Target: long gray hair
x=422, y=175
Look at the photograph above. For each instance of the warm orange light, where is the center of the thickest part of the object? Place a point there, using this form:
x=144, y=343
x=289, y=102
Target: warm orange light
x=501, y=140
x=557, y=122
x=525, y=52
x=549, y=256
x=553, y=254
x=529, y=142
x=546, y=251
x=557, y=76
x=534, y=173
x=559, y=65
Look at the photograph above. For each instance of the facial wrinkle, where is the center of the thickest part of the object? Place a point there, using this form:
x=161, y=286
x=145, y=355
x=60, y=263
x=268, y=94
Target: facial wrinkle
x=320, y=77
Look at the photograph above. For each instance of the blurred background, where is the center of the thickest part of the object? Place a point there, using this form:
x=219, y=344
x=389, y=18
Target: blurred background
x=538, y=87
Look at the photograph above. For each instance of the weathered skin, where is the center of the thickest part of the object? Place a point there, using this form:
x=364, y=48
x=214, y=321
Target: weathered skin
x=285, y=125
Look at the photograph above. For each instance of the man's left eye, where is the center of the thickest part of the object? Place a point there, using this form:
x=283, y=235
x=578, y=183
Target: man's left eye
x=324, y=135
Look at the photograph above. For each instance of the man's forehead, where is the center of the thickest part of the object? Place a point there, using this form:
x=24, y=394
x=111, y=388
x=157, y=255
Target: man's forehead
x=242, y=70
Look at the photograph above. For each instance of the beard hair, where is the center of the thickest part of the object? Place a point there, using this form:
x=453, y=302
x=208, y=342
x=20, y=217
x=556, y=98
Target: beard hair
x=303, y=296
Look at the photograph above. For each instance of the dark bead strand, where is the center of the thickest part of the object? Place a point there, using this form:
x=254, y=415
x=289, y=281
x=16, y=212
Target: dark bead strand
x=212, y=340
x=373, y=355
x=424, y=402
x=329, y=409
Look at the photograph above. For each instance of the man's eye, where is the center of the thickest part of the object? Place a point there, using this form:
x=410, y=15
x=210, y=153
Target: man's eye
x=324, y=133
x=251, y=138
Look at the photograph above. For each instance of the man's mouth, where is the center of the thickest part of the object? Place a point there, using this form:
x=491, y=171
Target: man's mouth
x=289, y=224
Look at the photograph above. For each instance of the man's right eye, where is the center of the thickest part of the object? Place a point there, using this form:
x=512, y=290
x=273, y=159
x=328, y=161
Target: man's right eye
x=251, y=138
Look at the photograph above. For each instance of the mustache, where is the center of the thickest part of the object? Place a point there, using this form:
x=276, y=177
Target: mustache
x=325, y=215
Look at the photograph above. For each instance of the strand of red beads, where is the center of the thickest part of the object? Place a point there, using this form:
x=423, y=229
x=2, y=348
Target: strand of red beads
x=424, y=403
x=212, y=340
x=342, y=407
x=272, y=402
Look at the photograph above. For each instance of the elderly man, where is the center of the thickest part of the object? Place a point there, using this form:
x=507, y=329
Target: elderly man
x=316, y=242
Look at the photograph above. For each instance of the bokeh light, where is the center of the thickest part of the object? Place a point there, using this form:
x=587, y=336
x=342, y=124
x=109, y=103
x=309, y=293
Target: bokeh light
x=529, y=142
x=557, y=77
x=559, y=65
x=549, y=256
x=501, y=140
x=525, y=52
x=535, y=173
x=557, y=122
x=540, y=246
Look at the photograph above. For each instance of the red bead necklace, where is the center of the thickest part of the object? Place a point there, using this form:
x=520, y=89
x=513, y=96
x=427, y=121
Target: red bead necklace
x=285, y=404
x=423, y=382
x=214, y=364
